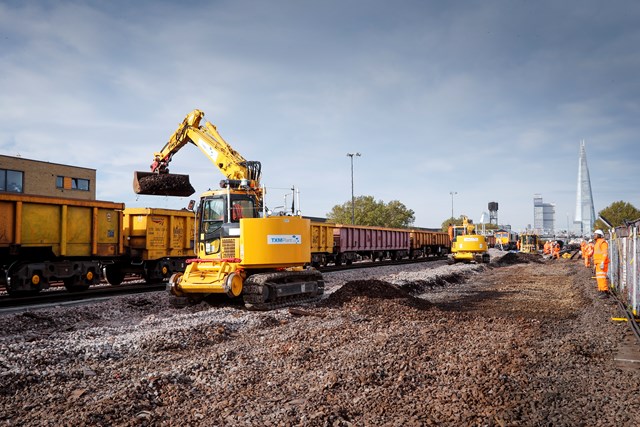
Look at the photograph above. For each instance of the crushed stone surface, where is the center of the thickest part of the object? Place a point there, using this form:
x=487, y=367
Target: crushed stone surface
x=522, y=341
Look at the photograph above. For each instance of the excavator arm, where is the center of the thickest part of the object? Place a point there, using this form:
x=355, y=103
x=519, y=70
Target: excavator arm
x=206, y=137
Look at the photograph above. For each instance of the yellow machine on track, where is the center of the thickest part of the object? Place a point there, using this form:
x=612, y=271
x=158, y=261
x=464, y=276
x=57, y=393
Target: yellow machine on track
x=467, y=246
x=506, y=240
x=528, y=243
x=240, y=250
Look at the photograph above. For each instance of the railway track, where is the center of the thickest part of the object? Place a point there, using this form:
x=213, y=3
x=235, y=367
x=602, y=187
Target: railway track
x=62, y=297
x=372, y=264
x=58, y=295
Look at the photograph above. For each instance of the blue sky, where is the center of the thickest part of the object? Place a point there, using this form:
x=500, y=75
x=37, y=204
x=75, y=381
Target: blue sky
x=486, y=98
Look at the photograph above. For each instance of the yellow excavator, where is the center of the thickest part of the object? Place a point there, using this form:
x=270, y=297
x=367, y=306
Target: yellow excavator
x=467, y=245
x=241, y=250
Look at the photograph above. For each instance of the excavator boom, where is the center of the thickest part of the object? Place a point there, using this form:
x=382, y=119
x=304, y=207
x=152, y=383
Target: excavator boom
x=159, y=182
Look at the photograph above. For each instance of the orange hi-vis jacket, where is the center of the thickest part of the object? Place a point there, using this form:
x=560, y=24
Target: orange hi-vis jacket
x=556, y=250
x=588, y=250
x=601, y=253
x=588, y=253
x=601, y=262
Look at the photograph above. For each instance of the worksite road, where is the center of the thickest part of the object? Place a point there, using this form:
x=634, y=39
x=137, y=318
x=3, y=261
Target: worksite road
x=520, y=342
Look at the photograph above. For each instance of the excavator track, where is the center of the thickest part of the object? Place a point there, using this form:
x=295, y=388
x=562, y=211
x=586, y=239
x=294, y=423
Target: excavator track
x=269, y=291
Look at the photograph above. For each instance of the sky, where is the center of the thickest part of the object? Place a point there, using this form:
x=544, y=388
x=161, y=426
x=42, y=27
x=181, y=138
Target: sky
x=486, y=99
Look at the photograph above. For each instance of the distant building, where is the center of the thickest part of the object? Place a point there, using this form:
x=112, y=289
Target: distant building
x=543, y=216
x=33, y=177
x=585, y=213
x=493, y=213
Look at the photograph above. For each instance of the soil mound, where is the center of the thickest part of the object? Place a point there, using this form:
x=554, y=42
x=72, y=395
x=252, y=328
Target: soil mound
x=373, y=289
x=518, y=258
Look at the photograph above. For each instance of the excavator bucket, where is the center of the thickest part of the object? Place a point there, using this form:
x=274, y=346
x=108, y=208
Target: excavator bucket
x=165, y=184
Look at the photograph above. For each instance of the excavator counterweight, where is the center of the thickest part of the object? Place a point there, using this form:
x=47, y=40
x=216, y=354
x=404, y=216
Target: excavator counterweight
x=162, y=184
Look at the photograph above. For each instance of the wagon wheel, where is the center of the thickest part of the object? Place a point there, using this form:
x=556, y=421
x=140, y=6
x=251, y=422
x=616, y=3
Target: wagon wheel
x=36, y=280
x=113, y=273
x=79, y=283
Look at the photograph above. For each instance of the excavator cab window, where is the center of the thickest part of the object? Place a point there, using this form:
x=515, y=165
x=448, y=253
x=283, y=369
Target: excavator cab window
x=214, y=211
x=212, y=215
x=242, y=208
x=459, y=230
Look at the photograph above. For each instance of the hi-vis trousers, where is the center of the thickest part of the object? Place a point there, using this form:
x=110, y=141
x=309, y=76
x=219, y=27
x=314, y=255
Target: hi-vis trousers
x=601, y=277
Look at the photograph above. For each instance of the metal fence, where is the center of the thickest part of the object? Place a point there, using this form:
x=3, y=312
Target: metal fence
x=624, y=271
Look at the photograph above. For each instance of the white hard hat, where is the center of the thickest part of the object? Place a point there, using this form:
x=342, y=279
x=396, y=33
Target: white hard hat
x=598, y=232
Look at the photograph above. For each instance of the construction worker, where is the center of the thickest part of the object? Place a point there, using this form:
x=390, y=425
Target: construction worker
x=601, y=262
x=588, y=253
x=556, y=250
x=583, y=246
x=547, y=248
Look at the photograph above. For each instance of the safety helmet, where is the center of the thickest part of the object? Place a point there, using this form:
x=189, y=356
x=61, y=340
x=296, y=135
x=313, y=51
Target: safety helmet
x=590, y=240
x=598, y=232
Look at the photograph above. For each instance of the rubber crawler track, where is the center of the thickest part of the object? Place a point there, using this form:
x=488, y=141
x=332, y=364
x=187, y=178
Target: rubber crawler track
x=259, y=290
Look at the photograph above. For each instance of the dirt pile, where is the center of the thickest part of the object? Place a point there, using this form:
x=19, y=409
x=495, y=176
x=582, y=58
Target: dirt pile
x=518, y=258
x=365, y=288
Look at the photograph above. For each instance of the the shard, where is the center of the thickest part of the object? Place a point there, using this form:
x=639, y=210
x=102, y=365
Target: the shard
x=585, y=213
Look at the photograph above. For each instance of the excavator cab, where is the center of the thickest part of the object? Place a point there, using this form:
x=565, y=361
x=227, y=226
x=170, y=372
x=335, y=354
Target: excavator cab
x=162, y=184
x=219, y=215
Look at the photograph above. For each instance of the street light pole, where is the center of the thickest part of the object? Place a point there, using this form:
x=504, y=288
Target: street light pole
x=452, y=194
x=353, y=200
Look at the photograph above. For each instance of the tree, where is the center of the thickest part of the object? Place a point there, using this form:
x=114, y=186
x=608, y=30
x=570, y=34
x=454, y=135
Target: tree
x=451, y=220
x=368, y=211
x=616, y=213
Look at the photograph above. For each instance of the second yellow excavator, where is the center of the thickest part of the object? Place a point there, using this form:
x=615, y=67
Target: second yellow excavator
x=241, y=250
x=467, y=245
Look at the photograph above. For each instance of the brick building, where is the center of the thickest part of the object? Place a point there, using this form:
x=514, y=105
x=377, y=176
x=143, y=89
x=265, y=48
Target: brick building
x=33, y=177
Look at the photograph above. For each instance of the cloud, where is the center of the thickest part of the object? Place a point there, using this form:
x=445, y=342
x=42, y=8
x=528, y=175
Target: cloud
x=488, y=99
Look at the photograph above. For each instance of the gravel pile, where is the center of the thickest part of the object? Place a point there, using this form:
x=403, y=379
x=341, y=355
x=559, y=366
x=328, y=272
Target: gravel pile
x=521, y=342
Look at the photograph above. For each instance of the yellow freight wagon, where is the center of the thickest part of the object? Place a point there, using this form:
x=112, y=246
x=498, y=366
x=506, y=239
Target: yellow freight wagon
x=322, y=243
x=429, y=243
x=44, y=239
x=156, y=233
x=157, y=243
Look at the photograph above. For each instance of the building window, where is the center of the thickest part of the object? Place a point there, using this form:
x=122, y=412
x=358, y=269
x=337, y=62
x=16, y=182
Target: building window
x=80, y=184
x=67, y=183
x=11, y=181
